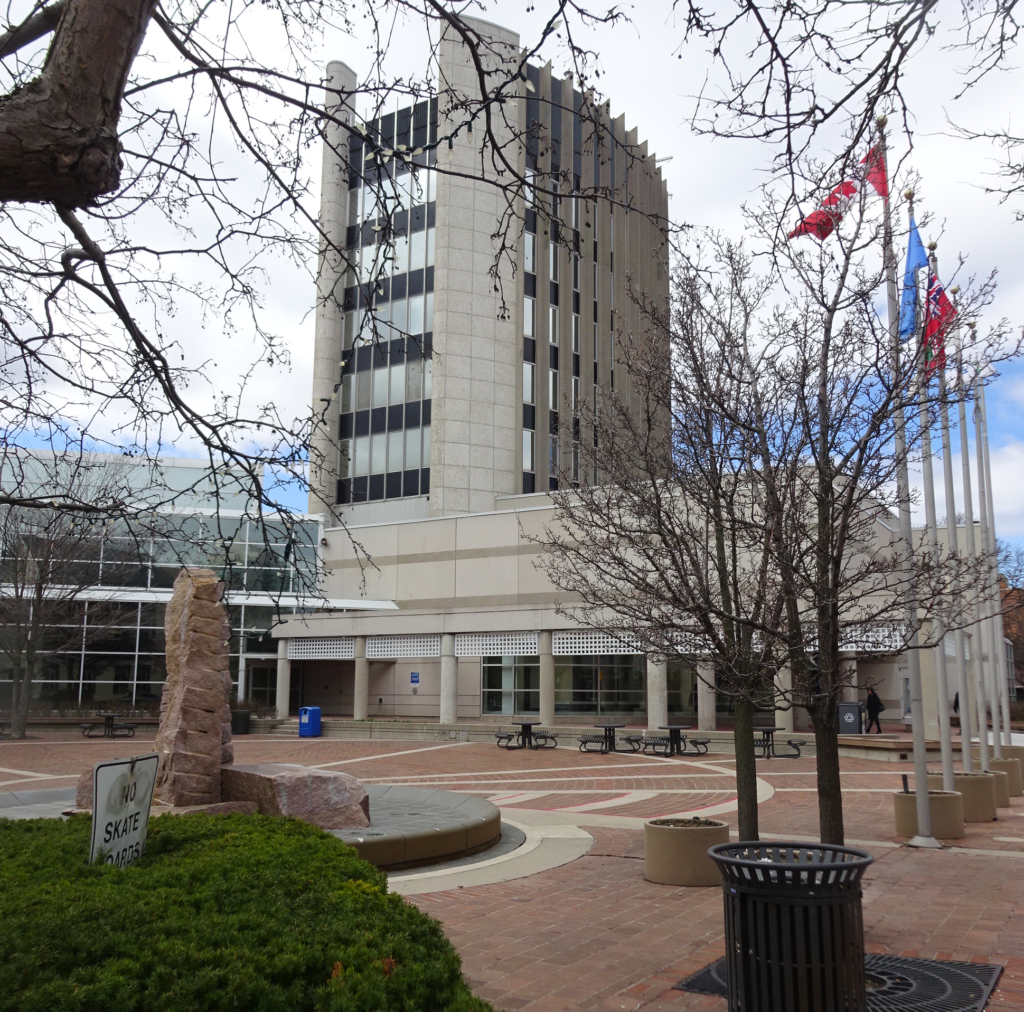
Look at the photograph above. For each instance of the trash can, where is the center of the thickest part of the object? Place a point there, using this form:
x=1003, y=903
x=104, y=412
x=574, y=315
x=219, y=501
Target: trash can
x=850, y=718
x=309, y=721
x=239, y=721
x=794, y=935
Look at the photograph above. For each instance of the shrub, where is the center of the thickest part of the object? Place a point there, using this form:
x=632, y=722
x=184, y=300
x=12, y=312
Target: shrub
x=222, y=912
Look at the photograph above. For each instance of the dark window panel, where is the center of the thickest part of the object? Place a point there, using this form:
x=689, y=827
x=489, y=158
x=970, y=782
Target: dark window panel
x=425, y=481
x=433, y=120
x=428, y=344
x=380, y=356
x=432, y=156
x=359, y=488
x=416, y=282
x=411, y=483
x=595, y=310
x=426, y=412
x=351, y=236
x=362, y=423
x=553, y=355
x=364, y=297
x=376, y=487
x=387, y=131
x=394, y=419
x=396, y=350
x=529, y=349
x=595, y=374
x=531, y=221
x=398, y=287
x=528, y=482
x=378, y=420
x=414, y=349
x=553, y=484
x=432, y=214
x=369, y=235
x=346, y=426
x=529, y=416
x=344, y=495
x=151, y=641
x=576, y=429
x=553, y=423
x=383, y=292
x=402, y=222
x=348, y=366
x=420, y=120
x=418, y=218
x=364, y=358
x=553, y=292
x=429, y=284
x=530, y=284
x=350, y=299
x=412, y=415
x=393, y=485
x=576, y=366
x=554, y=232
x=403, y=133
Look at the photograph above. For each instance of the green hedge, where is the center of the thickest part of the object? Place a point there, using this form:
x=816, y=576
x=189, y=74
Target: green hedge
x=222, y=912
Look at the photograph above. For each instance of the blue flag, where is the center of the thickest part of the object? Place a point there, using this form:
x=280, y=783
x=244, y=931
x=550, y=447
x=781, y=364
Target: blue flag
x=917, y=257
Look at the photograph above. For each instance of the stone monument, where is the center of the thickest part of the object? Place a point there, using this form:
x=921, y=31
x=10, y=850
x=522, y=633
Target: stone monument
x=194, y=738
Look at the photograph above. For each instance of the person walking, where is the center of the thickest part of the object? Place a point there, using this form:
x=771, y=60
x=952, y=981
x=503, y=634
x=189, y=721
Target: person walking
x=875, y=707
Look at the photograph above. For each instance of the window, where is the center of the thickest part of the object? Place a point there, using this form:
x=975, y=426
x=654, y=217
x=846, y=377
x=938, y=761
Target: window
x=553, y=389
x=529, y=316
x=576, y=271
x=362, y=456
x=416, y=315
x=553, y=455
x=378, y=446
x=530, y=258
x=380, y=387
x=396, y=446
x=417, y=250
x=527, y=450
x=426, y=378
x=414, y=380
x=553, y=261
x=510, y=685
x=575, y=335
x=398, y=383
x=529, y=384
x=412, y=449
x=576, y=463
x=426, y=446
x=575, y=394
x=553, y=324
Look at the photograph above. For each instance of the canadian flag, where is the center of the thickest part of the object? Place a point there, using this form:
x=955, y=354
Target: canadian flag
x=822, y=222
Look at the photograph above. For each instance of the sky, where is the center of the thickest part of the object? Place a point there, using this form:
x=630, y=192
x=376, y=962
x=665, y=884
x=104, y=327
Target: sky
x=650, y=76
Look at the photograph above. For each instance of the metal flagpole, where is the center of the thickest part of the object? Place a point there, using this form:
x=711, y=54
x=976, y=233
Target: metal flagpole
x=992, y=687
x=924, y=836
x=997, y=600
x=963, y=688
x=931, y=538
x=981, y=709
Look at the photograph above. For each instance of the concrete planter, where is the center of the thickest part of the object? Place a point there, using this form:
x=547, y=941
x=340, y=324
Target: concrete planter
x=1001, y=782
x=947, y=814
x=1010, y=764
x=677, y=854
x=978, y=790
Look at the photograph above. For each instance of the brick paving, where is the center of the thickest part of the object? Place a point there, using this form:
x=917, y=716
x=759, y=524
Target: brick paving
x=594, y=933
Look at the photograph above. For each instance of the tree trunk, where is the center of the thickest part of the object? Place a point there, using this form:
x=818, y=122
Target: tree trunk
x=830, y=795
x=746, y=772
x=58, y=135
x=22, y=694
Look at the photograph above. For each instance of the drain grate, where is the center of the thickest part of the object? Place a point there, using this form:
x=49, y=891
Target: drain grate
x=895, y=984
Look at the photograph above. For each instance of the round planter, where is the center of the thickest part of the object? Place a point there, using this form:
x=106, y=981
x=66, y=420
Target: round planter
x=978, y=790
x=947, y=814
x=1010, y=764
x=678, y=855
x=1002, y=783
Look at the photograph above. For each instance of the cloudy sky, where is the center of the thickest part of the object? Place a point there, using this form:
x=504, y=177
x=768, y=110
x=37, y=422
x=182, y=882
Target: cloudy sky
x=652, y=79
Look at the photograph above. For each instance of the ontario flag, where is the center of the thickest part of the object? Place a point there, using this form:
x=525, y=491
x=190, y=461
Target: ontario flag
x=822, y=222
x=938, y=315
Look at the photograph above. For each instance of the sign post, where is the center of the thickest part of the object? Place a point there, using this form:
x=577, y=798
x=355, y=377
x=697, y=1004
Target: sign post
x=122, y=792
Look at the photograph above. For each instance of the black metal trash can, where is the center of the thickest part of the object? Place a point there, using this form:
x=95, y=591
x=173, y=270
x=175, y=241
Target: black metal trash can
x=851, y=718
x=239, y=721
x=794, y=935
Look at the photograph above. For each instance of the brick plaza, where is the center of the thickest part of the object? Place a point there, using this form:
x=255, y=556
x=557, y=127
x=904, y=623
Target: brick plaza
x=594, y=933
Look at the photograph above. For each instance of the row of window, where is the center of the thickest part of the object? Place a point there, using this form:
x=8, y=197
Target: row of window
x=403, y=383
x=387, y=453
x=393, y=485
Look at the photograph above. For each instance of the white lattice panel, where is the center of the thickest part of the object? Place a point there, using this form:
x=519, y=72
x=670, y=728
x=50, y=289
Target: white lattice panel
x=876, y=638
x=568, y=642
x=322, y=648
x=392, y=647
x=500, y=644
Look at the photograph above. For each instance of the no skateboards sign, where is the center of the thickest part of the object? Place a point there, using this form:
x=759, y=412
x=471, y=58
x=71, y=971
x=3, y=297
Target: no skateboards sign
x=121, y=796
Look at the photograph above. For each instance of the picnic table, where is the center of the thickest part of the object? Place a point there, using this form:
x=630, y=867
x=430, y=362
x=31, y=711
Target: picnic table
x=526, y=737
x=766, y=744
x=111, y=728
x=605, y=742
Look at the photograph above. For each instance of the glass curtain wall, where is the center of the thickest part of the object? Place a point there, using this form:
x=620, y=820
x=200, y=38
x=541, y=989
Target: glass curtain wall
x=510, y=685
x=389, y=312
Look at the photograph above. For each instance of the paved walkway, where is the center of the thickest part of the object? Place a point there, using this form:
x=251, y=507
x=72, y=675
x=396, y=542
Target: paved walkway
x=594, y=933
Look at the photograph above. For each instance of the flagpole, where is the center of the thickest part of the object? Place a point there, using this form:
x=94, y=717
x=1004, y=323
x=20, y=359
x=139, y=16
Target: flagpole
x=984, y=494
x=964, y=689
x=981, y=707
x=931, y=540
x=924, y=836
x=997, y=599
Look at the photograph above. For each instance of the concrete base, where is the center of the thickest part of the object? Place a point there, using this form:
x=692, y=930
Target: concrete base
x=678, y=855
x=946, y=809
x=1011, y=766
x=1001, y=782
x=978, y=790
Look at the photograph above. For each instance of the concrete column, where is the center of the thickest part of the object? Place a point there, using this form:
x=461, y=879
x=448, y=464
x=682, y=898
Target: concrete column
x=657, y=692
x=784, y=694
x=929, y=688
x=324, y=469
x=706, y=718
x=848, y=676
x=449, y=680
x=362, y=681
x=284, y=678
x=547, y=677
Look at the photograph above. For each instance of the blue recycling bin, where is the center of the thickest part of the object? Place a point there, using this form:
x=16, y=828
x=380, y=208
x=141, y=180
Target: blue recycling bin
x=309, y=721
